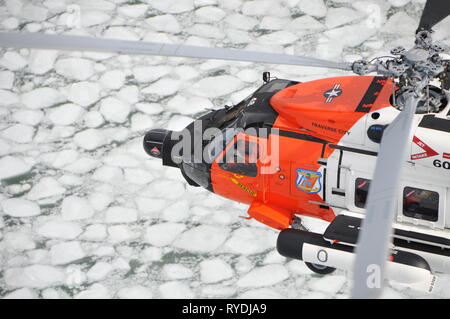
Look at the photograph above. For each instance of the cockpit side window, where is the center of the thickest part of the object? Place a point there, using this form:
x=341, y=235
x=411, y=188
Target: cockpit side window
x=241, y=158
x=420, y=203
x=361, y=191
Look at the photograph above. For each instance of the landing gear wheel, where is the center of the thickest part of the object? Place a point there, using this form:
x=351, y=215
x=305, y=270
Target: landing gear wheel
x=320, y=269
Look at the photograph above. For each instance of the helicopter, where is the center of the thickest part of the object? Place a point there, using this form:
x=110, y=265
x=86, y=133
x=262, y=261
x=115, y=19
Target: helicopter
x=368, y=154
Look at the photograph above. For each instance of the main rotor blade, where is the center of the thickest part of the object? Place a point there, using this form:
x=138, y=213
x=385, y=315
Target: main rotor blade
x=83, y=43
x=433, y=12
x=373, y=243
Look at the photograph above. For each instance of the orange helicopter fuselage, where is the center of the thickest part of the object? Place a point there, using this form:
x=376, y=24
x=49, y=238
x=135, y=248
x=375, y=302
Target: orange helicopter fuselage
x=312, y=118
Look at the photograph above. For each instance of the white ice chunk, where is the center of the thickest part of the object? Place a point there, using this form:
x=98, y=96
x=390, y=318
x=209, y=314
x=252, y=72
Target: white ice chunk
x=120, y=214
x=134, y=292
x=23, y=293
x=10, y=23
x=278, y=37
x=209, y=14
x=352, y=35
x=249, y=241
x=34, y=13
x=121, y=160
x=399, y=3
x=178, y=122
x=121, y=33
x=8, y=98
x=94, y=232
x=166, y=23
x=42, y=61
x=90, y=139
x=339, y=16
x=138, y=176
x=42, y=98
x=203, y=238
x=113, y=79
x=76, y=208
x=150, y=207
x=265, y=8
x=149, y=108
x=165, y=189
x=121, y=233
x=75, y=68
x=19, y=241
x=6, y=80
x=216, y=86
x=11, y=166
x=176, y=271
x=82, y=165
x=163, y=234
x=36, y=276
x=108, y=174
x=150, y=254
x=314, y=8
x=133, y=10
x=176, y=212
x=141, y=122
x=28, y=117
x=264, y=276
x=91, y=18
x=18, y=207
x=329, y=284
x=173, y=6
x=305, y=22
x=261, y=293
x=60, y=229
x=399, y=23
x=175, y=290
x=66, y=252
x=145, y=74
x=215, y=270
x=163, y=87
x=240, y=21
x=46, y=187
x=84, y=93
x=96, y=291
x=99, y=271
x=93, y=119
x=13, y=61
x=66, y=114
x=19, y=133
x=99, y=201
x=273, y=258
x=114, y=110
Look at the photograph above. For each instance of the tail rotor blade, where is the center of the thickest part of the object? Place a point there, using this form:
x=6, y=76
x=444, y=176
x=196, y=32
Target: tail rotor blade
x=373, y=243
x=83, y=43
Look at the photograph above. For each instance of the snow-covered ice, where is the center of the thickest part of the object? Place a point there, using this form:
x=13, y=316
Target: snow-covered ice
x=264, y=276
x=75, y=208
x=215, y=270
x=11, y=166
x=42, y=98
x=18, y=207
x=84, y=93
x=35, y=276
x=114, y=110
x=85, y=213
x=75, y=68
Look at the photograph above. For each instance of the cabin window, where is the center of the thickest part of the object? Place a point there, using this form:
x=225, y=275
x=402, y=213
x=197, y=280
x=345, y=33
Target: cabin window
x=420, y=203
x=241, y=158
x=361, y=191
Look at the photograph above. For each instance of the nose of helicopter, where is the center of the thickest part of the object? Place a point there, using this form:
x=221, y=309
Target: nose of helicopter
x=154, y=142
x=159, y=143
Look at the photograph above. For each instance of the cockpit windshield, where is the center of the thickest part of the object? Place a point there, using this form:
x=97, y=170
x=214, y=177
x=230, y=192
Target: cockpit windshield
x=219, y=142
